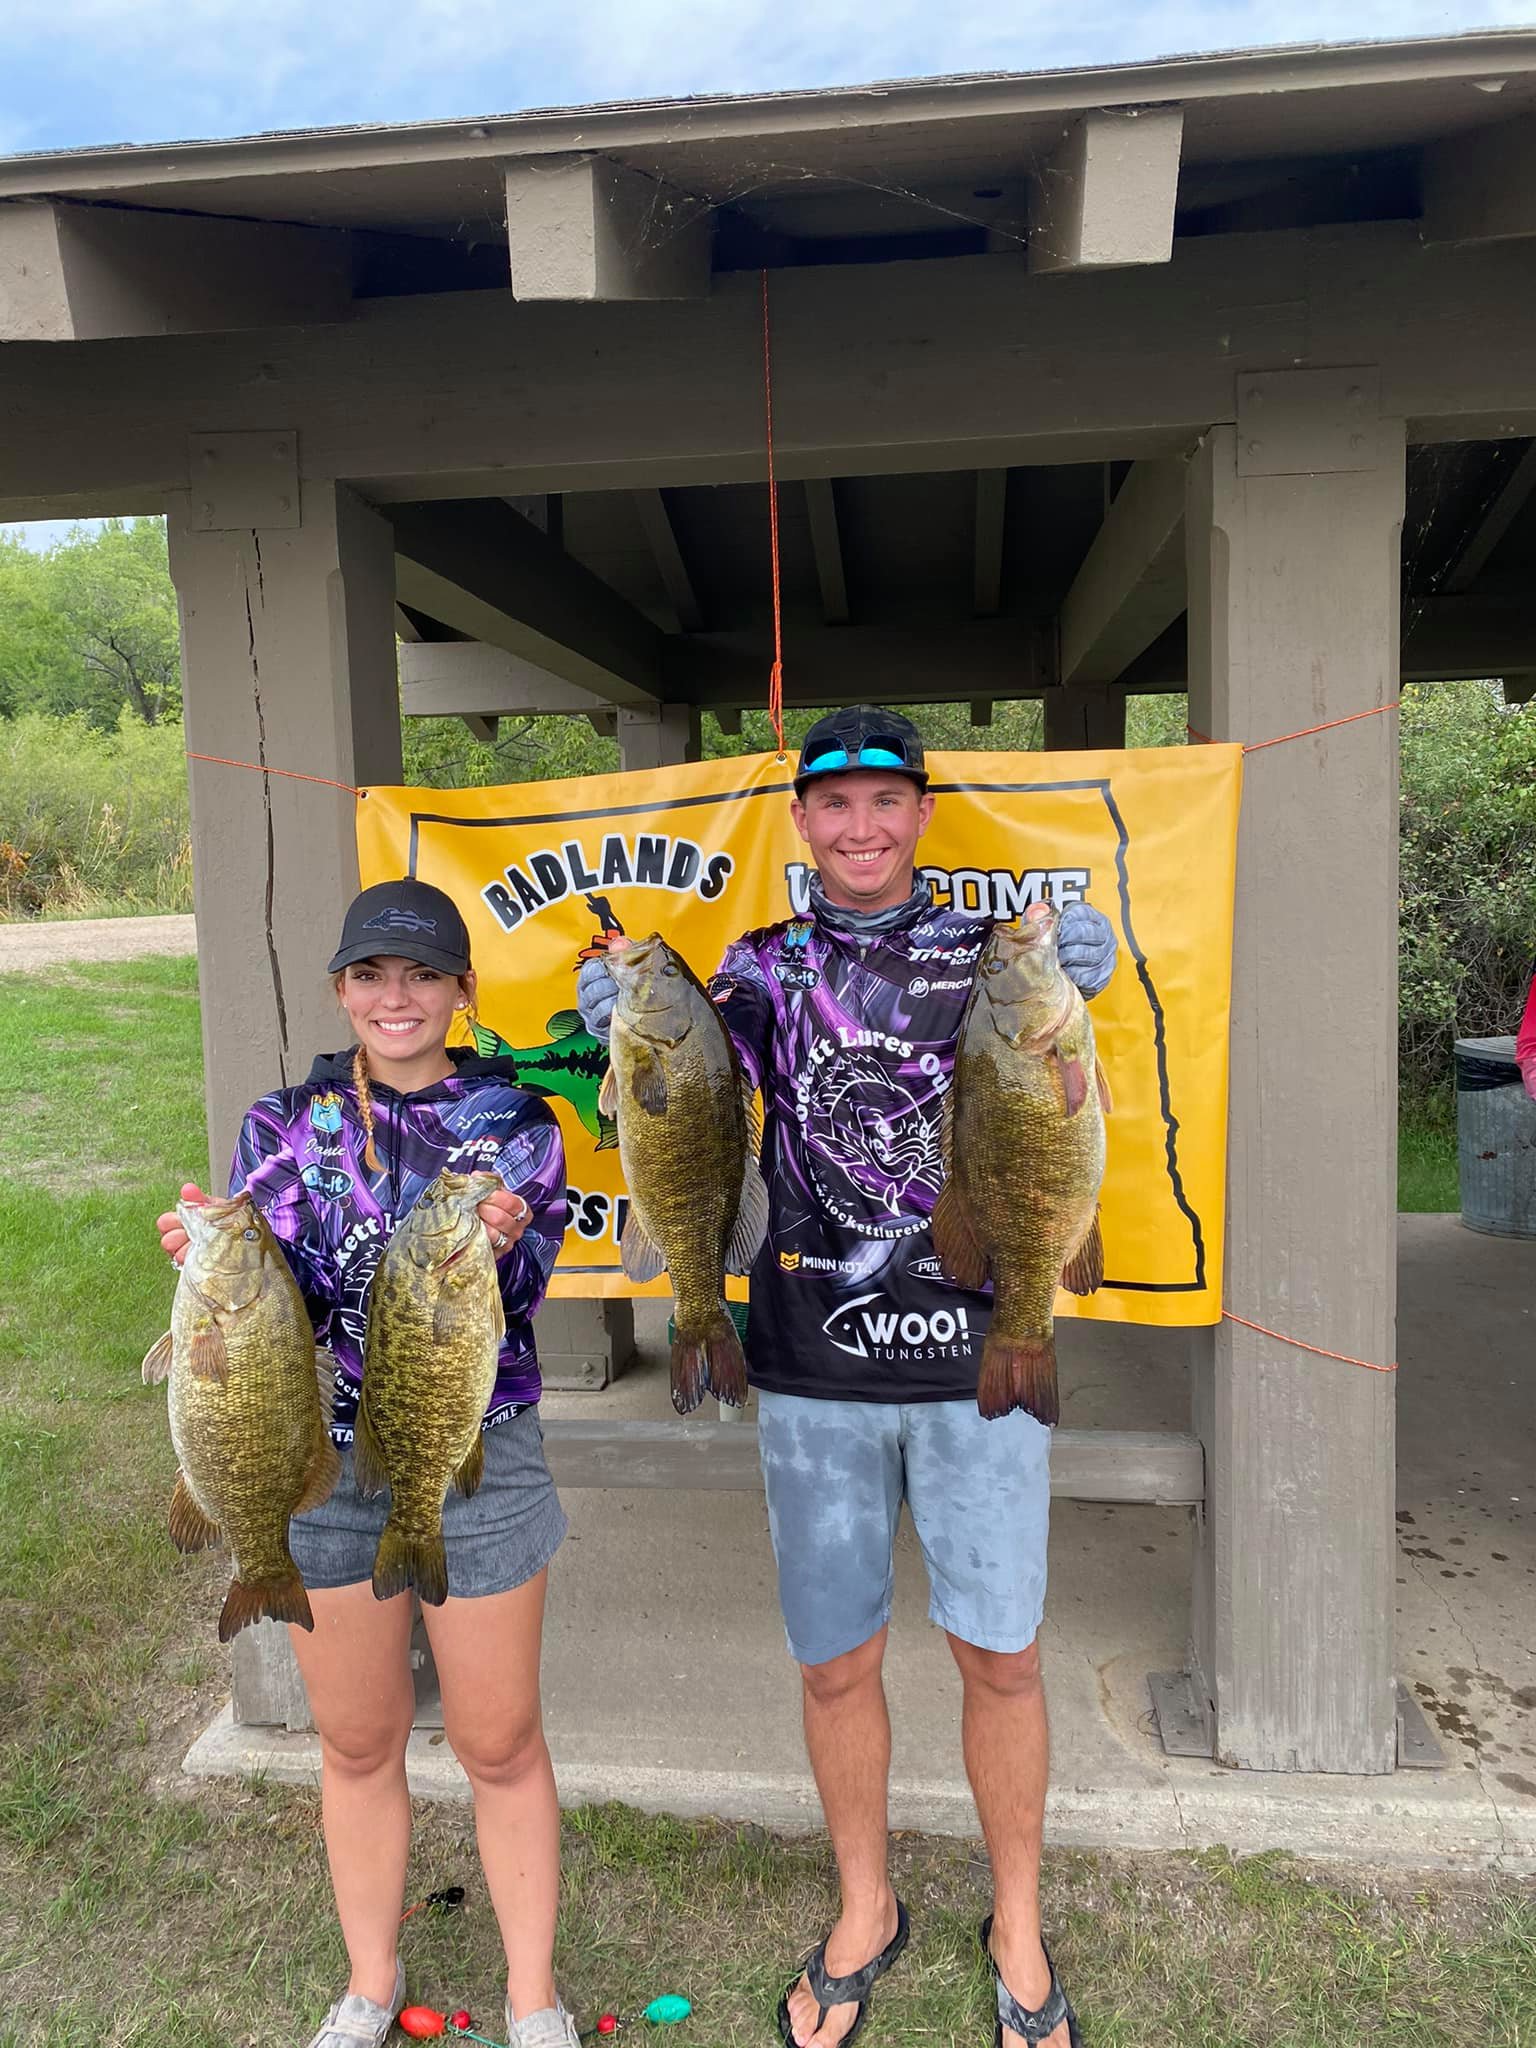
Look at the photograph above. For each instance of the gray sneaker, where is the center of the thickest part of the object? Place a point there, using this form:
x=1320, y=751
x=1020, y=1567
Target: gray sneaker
x=356, y=2022
x=550, y=2027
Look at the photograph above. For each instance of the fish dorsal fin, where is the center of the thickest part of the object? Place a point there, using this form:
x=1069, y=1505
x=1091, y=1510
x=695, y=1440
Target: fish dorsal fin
x=954, y=1238
x=157, y=1361
x=608, y=1095
x=1084, y=1271
x=751, y=1221
x=642, y=1258
x=1106, y=1100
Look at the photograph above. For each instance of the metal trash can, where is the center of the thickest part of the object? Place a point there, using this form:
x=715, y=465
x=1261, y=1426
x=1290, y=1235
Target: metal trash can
x=1495, y=1139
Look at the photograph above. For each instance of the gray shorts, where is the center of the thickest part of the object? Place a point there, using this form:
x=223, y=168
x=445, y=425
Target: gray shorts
x=836, y=1473
x=502, y=1536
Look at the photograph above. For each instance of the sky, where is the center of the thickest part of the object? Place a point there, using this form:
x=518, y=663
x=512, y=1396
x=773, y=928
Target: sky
x=76, y=72
x=81, y=72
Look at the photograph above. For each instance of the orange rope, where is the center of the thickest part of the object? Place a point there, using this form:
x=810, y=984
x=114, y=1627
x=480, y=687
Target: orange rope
x=291, y=774
x=1255, y=746
x=776, y=673
x=1316, y=1349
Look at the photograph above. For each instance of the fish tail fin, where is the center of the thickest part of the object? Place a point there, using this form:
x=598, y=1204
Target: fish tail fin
x=1019, y=1372
x=690, y=1372
x=726, y=1362
x=279, y=1599
x=405, y=1561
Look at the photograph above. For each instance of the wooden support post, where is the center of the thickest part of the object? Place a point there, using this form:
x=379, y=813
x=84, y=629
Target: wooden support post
x=658, y=735
x=1081, y=717
x=288, y=657
x=1293, y=525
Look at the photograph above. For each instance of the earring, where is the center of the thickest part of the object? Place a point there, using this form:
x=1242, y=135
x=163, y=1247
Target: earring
x=461, y=1006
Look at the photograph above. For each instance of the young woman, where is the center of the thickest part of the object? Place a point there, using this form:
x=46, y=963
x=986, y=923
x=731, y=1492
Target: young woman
x=334, y=1165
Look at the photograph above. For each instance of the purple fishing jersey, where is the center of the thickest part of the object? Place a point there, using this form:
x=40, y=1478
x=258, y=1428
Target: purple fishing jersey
x=300, y=1154
x=852, y=1040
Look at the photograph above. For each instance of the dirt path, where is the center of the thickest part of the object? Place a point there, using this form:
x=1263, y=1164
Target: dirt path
x=93, y=938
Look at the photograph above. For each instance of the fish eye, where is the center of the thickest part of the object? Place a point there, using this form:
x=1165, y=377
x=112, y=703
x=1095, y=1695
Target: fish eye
x=670, y=968
x=250, y=1236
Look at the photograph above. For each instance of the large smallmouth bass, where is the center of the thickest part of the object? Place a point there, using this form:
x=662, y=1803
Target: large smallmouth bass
x=249, y=1404
x=435, y=1325
x=1024, y=1149
x=698, y=1207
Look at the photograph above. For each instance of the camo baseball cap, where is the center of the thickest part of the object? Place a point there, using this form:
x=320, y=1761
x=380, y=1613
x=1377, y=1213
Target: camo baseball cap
x=408, y=920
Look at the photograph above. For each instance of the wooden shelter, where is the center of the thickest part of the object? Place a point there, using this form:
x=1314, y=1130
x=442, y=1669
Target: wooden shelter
x=1217, y=373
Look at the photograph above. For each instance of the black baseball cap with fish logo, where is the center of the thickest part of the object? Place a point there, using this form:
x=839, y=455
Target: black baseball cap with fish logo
x=409, y=920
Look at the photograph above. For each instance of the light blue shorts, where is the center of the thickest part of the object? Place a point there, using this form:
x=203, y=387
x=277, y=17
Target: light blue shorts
x=836, y=1473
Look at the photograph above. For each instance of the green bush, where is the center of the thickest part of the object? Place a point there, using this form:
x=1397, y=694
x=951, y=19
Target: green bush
x=1467, y=922
x=92, y=823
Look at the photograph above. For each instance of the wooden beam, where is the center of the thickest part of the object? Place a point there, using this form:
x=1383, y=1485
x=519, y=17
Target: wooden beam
x=981, y=711
x=1495, y=523
x=479, y=566
x=728, y=718
x=458, y=395
x=1130, y=587
x=467, y=679
x=482, y=728
x=585, y=228
x=1478, y=185
x=1106, y=197
x=879, y=664
x=827, y=546
x=95, y=273
x=1127, y=1466
x=670, y=566
x=991, y=511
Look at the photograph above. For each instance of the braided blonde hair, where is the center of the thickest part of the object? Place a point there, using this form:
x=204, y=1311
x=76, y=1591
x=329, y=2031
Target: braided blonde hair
x=365, y=1109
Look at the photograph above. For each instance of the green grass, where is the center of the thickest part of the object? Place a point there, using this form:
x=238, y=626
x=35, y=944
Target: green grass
x=1427, y=1176
x=139, y=1910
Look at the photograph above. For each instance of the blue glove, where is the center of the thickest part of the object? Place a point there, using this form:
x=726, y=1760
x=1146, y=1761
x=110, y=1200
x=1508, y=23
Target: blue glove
x=1086, y=946
x=596, y=994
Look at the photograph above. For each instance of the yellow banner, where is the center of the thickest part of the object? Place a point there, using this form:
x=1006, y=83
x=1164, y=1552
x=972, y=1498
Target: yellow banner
x=706, y=852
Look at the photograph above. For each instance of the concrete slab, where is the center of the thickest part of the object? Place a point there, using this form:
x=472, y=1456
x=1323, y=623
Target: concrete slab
x=667, y=1683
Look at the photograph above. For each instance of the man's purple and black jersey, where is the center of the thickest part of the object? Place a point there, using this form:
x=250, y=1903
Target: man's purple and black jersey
x=300, y=1154
x=852, y=1041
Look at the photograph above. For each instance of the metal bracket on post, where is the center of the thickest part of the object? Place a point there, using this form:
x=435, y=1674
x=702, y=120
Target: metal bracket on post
x=244, y=480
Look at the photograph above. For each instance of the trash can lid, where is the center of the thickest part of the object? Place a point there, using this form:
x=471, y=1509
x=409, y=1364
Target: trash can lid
x=1487, y=1048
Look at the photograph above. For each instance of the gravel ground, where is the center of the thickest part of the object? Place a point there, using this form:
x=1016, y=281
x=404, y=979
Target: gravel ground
x=47, y=944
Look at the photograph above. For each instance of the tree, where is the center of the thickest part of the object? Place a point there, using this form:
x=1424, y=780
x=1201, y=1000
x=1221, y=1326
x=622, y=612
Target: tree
x=90, y=626
x=113, y=592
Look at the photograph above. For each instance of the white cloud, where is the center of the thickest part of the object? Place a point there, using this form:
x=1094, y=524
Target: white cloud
x=151, y=69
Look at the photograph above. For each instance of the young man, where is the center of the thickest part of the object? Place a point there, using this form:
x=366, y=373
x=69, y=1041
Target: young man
x=865, y=1358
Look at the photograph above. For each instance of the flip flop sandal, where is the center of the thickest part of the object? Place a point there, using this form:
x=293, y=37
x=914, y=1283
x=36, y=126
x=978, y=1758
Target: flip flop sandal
x=854, y=1989
x=1035, y=2026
